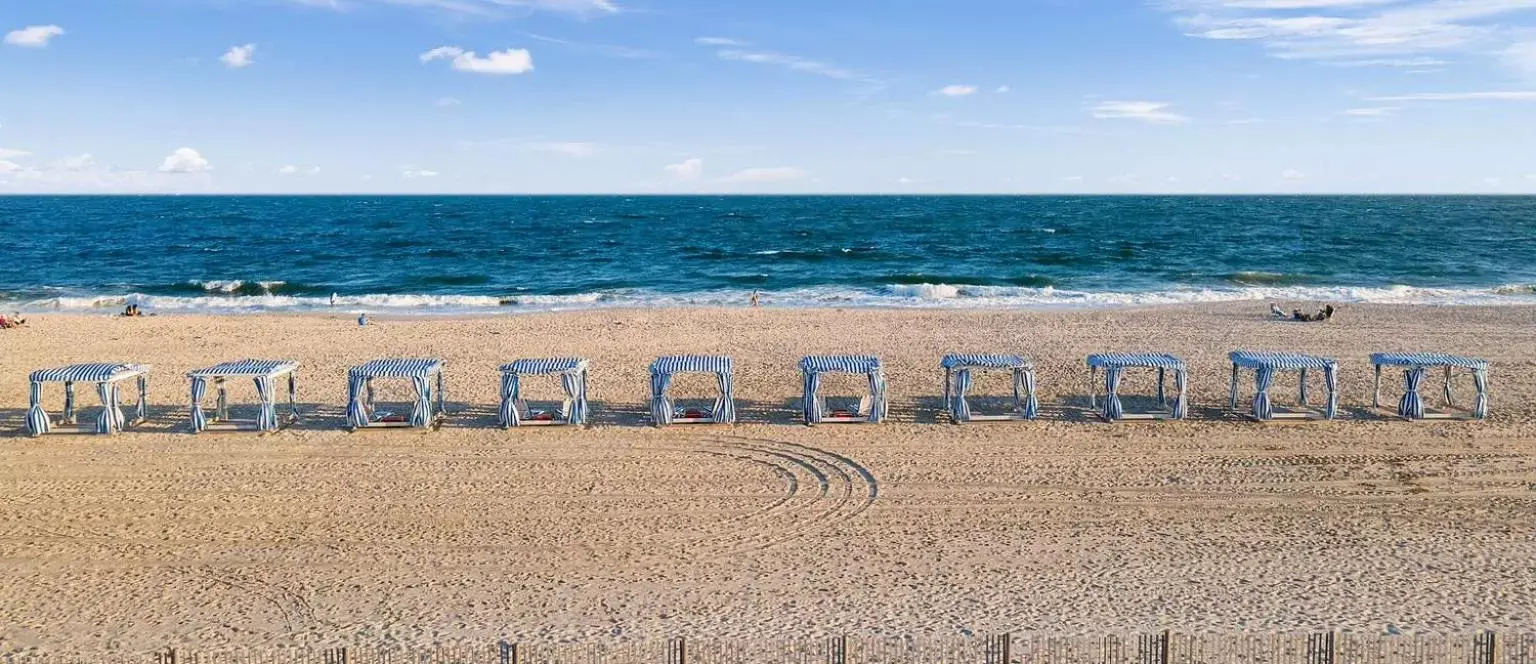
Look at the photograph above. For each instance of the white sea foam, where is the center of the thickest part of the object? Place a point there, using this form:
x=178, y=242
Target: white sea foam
x=895, y=295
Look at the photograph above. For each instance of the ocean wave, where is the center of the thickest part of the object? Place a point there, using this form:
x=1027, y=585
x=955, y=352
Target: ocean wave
x=898, y=295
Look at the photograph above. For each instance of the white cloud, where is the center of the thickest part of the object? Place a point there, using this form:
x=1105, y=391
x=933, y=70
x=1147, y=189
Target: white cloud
x=688, y=169
x=9, y=166
x=12, y=154
x=718, y=41
x=412, y=173
x=486, y=8
x=238, y=57
x=82, y=162
x=790, y=62
x=1292, y=175
x=501, y=63
x=569, y=149
x=610, y=50
x=81, y=174
x=185, y=160
x=1501, y=95
x=956, y=90
x=1002, y=89
x=1151, y=112
x=1072, y=178
x=33, y=36
x=446, y=102
x=291, y=169
x=765, y=175
x=905, y=180
x=1374, y=112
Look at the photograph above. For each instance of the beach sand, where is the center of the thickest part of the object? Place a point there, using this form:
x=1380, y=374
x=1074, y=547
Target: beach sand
x=314, y=536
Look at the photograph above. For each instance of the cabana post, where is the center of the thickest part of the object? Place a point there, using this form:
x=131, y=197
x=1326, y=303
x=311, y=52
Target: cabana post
x=1264, y=365
x=265, y=374
x=1416, y=367
x=108, y=379
x=425, y=375
x=958, y=379
x=663, y=411
x=573, y=380
x=872, y=408
x=1115, y=365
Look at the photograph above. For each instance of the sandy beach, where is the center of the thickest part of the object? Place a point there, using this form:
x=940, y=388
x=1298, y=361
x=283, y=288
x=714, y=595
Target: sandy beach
x=313, y=536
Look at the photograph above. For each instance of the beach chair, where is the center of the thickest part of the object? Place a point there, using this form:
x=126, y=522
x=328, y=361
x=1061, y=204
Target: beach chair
x=1115, y=366
x=1264, y=364
x=265, y=374
x=870, y=408
x=664, y=410
x=958, y=379
x=515, y=411
x=426, y=377
x=1416, y=368
x=108, y=379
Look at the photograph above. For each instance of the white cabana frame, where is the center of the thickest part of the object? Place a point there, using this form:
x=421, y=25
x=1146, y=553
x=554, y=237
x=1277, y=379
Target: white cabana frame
x=266, y=375
x=663, y=411
x=958, y=379
x=1416, y=368
x=1265, y=364
x=108, y=379
x=572, y=371
x=872, y=407
x=425, y=375
x=1115, y=366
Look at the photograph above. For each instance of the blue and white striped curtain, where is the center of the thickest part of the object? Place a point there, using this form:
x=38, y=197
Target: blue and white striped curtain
x=1331, y=380
x=421, y=412
x=574, y=383
x=108, y=420
x=199, y=390
x=1263, y=378
x=961, y=410
x=1113, y=409
x=357, y=389
x=725, y=406
x=508, y=416
x=69, y=403
x=661, y=404
x=266, y=417
x=879, y=408
x=1031, y=402
x=810, y=401
x=37, y=418
x=1411, y=406
x=1301, y=387
x=1480, y=381
x=1181, y=402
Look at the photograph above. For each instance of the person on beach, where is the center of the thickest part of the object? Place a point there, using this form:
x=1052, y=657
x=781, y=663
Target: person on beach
x=12, y=321
x=754, y=300
x=132, y=311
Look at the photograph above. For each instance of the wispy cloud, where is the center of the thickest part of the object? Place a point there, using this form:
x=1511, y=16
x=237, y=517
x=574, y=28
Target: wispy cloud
x=567, y=148
x=33, y=36
x=609, y=50
x=1151, y=112
x=510, y=62
x=740, y=51
x=687, y=170
x=1379, y=33
x=1496, y=95
x=239, y=57
x=483, y=8
x=719, y=41
x=956, y=91
x=765, y=175
x=1372, y=112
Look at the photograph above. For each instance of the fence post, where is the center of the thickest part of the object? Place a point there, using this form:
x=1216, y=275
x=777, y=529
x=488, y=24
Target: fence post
x=1485, y=648
x=1154, y=648
x=837, y=650
x=1320, y=648
x=507, y=652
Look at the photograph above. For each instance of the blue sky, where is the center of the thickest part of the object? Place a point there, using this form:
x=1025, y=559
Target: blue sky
x=684, y=96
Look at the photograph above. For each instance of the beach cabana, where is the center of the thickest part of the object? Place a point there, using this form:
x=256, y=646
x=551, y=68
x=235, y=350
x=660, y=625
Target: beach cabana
x=573, y=380
x=108, y=379
x=1115, y=366
x=1416, y=368
x=663, y=410
x=958, y=379
x=872, y=407
x=1264, y=364
x=265, y=374
x=426, y=377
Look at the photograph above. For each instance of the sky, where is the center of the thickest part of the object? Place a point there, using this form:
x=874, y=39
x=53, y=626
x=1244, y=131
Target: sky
x=787, y=96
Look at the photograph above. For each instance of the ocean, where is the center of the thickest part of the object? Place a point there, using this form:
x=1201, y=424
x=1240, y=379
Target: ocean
x=467, y=254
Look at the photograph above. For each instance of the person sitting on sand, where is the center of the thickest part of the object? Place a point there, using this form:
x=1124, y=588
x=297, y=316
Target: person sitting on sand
x=14, y=320
x=131, y=311
x=1276, y=311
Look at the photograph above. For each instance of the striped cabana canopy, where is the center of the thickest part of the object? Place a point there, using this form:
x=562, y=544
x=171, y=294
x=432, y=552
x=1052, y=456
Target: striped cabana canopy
x=958, y=379
x=422, y=373
x=261, y=372
x=573, y=380
x=664, y=368
x=106, y=376
x=1416, y=368
x=813, y=366
x=1264, y=364
x=1114, y=366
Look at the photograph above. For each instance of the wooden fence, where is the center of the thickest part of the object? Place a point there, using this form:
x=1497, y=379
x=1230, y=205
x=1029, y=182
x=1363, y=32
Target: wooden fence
x=1156, y=648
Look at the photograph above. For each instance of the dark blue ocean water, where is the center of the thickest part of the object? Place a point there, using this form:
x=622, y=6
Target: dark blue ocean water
x=240, y=253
